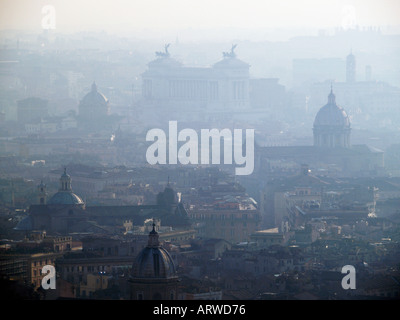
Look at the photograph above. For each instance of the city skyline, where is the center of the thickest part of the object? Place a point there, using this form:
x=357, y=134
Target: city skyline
x=208, y=19
x=187, y=150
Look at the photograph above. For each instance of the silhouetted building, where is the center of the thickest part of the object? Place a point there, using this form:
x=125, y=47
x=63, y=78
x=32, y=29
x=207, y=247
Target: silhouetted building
x=93, y=104
x=65, y=196
x=193, y=91
x=351, y=68
x=233, y=219
x=31, y=110
x=94, y=110
x=331, y=126
x=331, y=153
x=42, y=194
x=154, y=274
x=65, y=212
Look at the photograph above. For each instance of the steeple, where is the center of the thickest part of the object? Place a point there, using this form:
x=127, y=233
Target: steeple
x=94, y=86
x=65, y=181
x=351, y=68
x=42, y=194
x=331, y=97
x=153, y=237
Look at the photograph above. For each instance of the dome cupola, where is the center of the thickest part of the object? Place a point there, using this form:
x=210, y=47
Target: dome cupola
x=65, y=196
x=93, y=104
x=154, y=261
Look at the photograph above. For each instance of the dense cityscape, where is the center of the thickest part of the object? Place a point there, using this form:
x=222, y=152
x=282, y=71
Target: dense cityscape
x=78, y=192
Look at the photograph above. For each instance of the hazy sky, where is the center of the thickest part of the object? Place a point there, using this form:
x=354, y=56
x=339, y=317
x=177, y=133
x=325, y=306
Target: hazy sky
x=134, y=15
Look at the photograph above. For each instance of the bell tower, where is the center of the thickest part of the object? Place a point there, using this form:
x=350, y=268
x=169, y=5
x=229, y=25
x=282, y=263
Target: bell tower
x=351, y=68
x=42, y=194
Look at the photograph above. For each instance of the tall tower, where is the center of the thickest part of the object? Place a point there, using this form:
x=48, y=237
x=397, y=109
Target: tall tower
x=351, y=68
x=42, y=194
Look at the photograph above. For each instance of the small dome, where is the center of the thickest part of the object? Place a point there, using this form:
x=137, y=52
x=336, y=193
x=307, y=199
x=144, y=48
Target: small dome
x=153, y=261
x=331, y=115
x=63, y=197
x=94, y=97
x=93, y=105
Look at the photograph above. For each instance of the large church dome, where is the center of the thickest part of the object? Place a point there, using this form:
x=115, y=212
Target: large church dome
x=332, y=115
x=93, y=103
x=332, y=125
x=153, y=262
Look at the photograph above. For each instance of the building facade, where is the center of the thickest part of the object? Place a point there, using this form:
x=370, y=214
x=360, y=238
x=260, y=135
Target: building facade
x=232, y=221
x=168, y=85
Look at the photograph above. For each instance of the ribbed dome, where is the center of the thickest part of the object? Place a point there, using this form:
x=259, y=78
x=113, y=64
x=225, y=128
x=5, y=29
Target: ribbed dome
x=65, y=194
x=65, y=197
x=331, y=115
x=153, y=262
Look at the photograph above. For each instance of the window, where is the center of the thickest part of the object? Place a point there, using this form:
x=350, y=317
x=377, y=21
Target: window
x=156, y=265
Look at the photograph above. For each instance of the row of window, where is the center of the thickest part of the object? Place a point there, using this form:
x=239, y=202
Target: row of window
x=211, y=216
x=156, y=296
x=86, y=268
x=37, y=263
x=188, y=89
x=196, y=89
